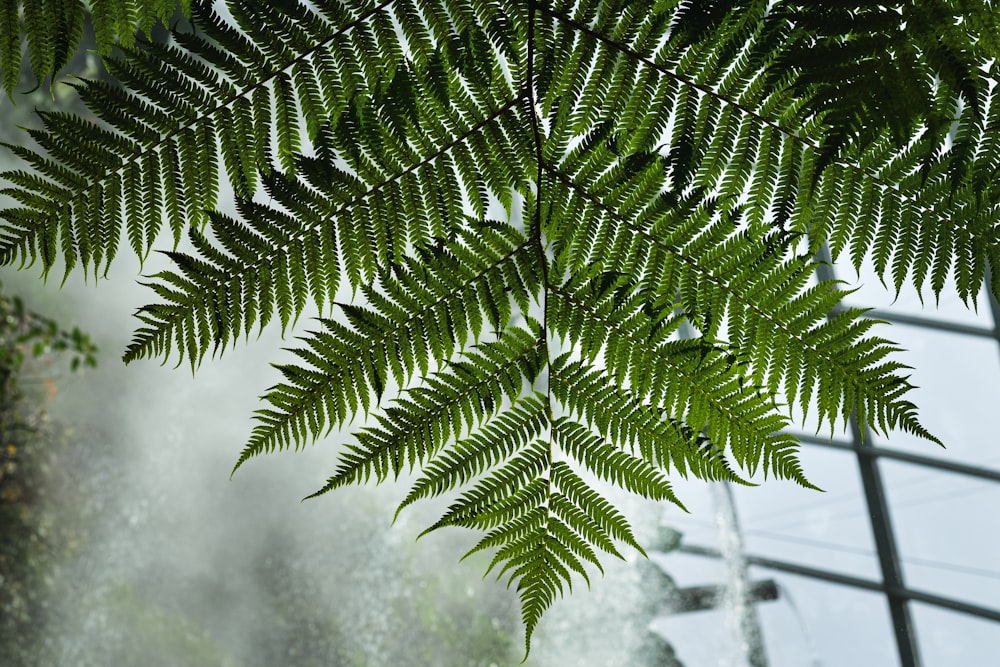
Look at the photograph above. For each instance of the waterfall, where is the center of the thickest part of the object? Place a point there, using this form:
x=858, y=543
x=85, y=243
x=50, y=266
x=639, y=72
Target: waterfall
x=747, y=644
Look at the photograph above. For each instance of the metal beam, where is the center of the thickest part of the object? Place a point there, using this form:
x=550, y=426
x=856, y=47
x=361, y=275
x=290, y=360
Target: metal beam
x=928, y=323
x=872, y=451
x=852, y=581
x=701, y=598
x=881, y=523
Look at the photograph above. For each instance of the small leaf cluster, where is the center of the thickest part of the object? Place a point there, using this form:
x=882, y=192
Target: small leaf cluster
x=26, y=333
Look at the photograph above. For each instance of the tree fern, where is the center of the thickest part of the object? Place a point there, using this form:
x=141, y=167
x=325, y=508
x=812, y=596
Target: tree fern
x=556, y=241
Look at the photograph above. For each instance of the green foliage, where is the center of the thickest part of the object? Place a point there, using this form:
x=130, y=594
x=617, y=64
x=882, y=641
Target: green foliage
x=25, y=334
x=564, y=241
x=52, y=30
x=165, y=635
x=32, y=463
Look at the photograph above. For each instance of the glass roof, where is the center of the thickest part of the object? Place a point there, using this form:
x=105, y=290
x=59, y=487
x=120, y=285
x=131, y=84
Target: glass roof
x=898, y=562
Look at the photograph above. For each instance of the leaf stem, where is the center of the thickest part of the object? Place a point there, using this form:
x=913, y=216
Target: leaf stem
x=538, y=238
x=536, y=227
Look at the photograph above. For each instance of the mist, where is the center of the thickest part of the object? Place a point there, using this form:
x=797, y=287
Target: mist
x=178, y=564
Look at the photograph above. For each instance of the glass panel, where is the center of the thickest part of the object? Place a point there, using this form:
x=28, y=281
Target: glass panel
x=958, y=380
x=830, y=530
x=697, y=637
x=949, y=638
x=948, y=532
x=818, y=623
x=698, y=524
x=805, y=625
x=871, y=293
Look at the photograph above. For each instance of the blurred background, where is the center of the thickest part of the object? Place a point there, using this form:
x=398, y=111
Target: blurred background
x=123, y=541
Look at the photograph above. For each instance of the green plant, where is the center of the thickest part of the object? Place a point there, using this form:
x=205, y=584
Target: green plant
x=516, y=209
x=32, y=462
x=25, y=333
x=52, y=30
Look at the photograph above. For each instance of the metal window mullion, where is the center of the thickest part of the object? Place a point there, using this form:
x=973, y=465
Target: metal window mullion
x=928, y=323
x=881, y=522
x=888, y=551
x=834, y=577
x=930, y=462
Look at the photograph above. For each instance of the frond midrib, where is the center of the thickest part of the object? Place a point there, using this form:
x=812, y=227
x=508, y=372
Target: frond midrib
x=312, y=395
x=140, y=350
x=733, y=417
x=725, y=286
x=794, y=135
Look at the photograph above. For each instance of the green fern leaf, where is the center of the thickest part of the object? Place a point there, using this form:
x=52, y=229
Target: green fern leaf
x=551, y=243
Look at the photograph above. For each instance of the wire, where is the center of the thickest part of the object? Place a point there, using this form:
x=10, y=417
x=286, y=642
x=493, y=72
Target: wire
x=859, y=551
x=840, y=498
x=906, y=504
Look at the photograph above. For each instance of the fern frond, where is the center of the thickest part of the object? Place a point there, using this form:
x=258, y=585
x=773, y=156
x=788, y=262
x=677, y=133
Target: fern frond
x=807, y=173
x=510, y=430
x=10, y=45
x=718, y=271
x=610, y=464
x=418, y=318
x=622, y=418
x=209, y=89
x=358, y=221
x=869, y=68
x=53, y=30
x=543, y=520
x=855, y=214
x=426, y=417
x=577, y=239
